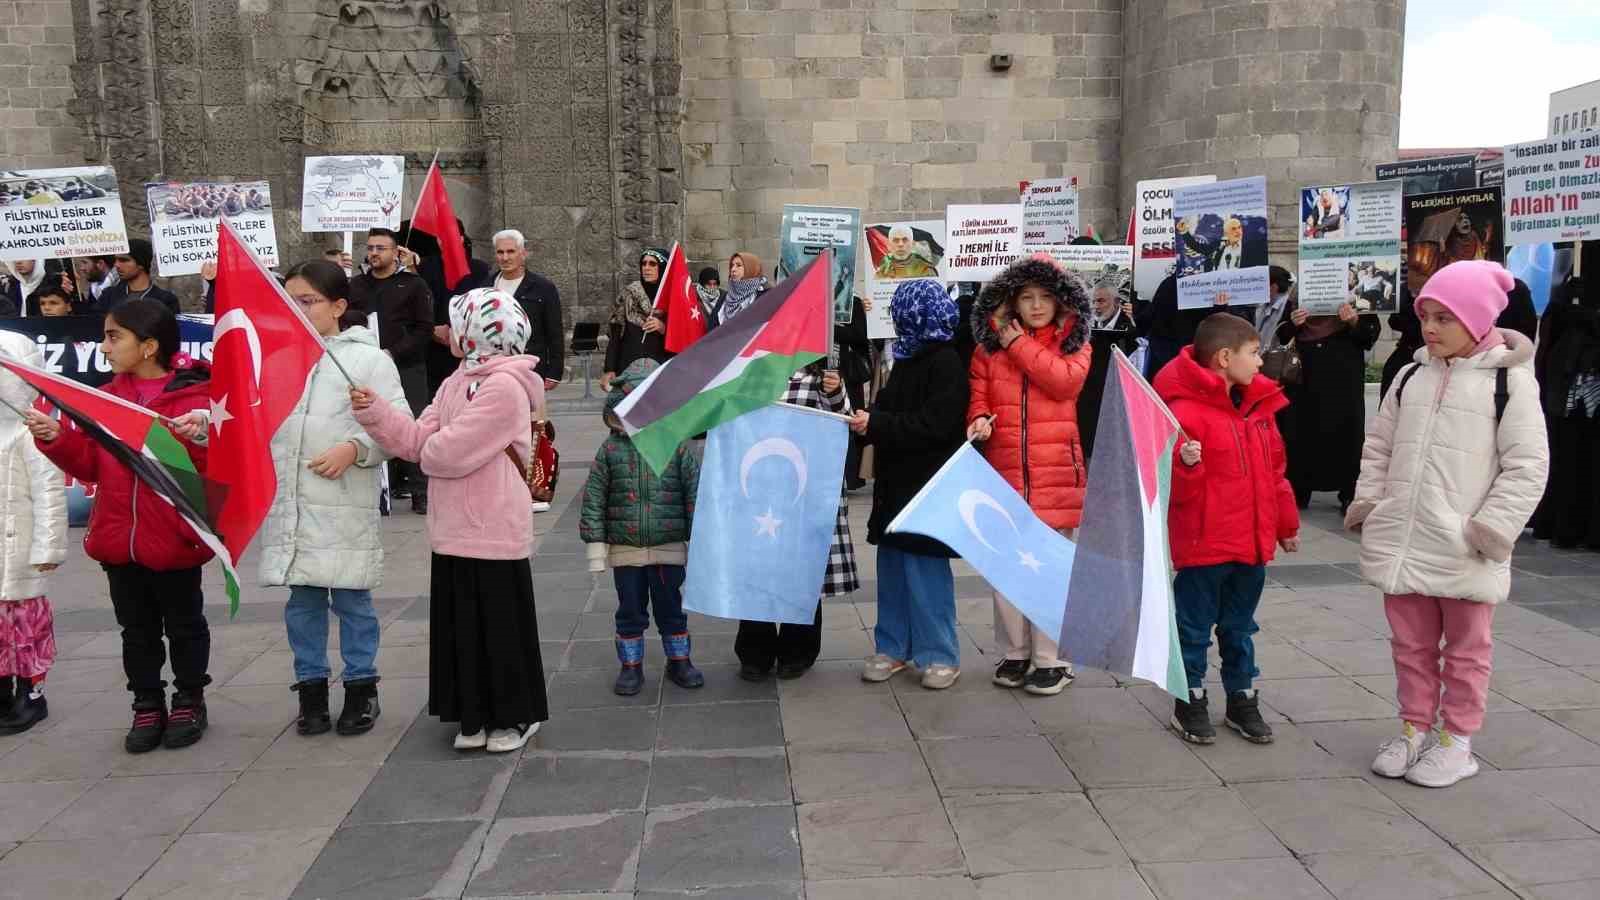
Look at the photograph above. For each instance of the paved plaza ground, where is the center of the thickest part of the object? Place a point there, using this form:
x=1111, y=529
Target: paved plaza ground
x=825, y=787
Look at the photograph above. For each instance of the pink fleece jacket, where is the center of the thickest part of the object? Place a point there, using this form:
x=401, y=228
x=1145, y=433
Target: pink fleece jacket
x=478, y=504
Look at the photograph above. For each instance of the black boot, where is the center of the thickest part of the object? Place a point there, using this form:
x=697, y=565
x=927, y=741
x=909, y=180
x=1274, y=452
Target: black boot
x=186, y=724
x=680, y=670
x=313, y=707
x=1244, y=716
x=28, y=710
x=630, y=652
x=149, y=723
x=1193, y=721
x=360, y=707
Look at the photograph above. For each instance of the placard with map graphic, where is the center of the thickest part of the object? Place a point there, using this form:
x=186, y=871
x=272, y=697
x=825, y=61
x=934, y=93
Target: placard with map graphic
x=352, y=193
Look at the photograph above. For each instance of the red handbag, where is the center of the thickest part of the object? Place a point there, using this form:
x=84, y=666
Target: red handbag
x=541, y=471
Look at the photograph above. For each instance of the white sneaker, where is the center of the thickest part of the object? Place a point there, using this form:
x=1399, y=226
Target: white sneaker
x=1446, y=762
x=938, y=677
x=474, y=741
x=881, y=668
x=505, y=740
x=540, y=506
x=1399, y=754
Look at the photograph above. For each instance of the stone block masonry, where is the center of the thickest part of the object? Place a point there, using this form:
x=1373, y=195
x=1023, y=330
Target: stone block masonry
x=36, y=57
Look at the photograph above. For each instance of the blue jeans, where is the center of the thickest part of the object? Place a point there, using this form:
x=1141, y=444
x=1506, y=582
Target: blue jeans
x=643, y=588
x=916, y=608
x=306, y=616
x=1224, y=596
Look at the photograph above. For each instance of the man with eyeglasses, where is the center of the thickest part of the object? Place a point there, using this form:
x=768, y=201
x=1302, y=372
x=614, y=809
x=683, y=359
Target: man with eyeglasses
x=404, y=309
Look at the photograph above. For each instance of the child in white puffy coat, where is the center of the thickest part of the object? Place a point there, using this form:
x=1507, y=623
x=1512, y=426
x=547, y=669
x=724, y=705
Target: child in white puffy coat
x=33, y=503
x=1452, y=469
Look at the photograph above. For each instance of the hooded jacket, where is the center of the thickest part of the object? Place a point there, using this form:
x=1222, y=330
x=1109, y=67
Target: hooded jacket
x=478, y=503
x=1032, y=388
x=321, y=531
x=129, y=522
x=32, y=490
x=1236, y=503
x=1444, y=490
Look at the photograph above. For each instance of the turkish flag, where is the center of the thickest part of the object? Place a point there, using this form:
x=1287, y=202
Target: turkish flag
x=436, y=216
x=677, y=297
x=263, y=350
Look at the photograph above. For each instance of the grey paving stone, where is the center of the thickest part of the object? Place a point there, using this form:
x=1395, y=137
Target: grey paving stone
x=559, y=856
x=420, y=792
x=1025, y=764
x=720, y=726
x=392, y=862
x=1365, y=657
x=1006, y=834
x=1579, y=612
x=286, y=798
x=1384, y=876
x=567, y=784
x=1462, y=815
x=1294, y=622
x=826, y=772
x=1281, y=659
x=258, y=864
x=1311, y=576
x=1280, y=879
x=1544, y=689
x=78, y=870
x=1323, y=700
x=1101, y=884
x=792, y=891
x=1563, y=648
x=937, y=714
x=1336, y=815
x=947, y=887
x=1526, y=864
x=871, y=717
x=878, y=836
x=1525, y=740
x=1090, y=709
x=430, y=740
x=1582, y=722
x=1143, y=759
x=600, y=729
x=1291, y=755
x=591, y=689
x=24, y=808
x=723, y=685
x=727, y=846
x=754, y=777
x=1182, y=825
x=1574, y=791
x=60, y=756
x=130, y=808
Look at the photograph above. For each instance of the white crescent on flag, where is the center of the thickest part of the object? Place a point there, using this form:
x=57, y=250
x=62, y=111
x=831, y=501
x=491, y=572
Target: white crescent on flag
x=773, y=446
x=967, y=504
x=236, y=319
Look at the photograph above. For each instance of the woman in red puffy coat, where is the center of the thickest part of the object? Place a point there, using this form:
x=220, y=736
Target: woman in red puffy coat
x=1032, y=328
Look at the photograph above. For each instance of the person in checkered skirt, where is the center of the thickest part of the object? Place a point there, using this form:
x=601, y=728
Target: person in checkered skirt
x=794, y=648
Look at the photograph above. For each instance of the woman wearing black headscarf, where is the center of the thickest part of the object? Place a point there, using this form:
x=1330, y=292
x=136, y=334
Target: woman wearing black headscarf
x=634, y=332
x=1325, y=423
x=1568, y=366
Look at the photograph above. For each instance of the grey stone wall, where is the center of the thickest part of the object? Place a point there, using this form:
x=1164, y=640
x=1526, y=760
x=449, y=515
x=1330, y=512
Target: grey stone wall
x=1304, y=92
x=36, y=54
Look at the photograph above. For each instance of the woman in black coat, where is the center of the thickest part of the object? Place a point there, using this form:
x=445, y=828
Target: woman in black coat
x=633, y=332
x=1326, y=421
x=854, y=351
x=1568, y=366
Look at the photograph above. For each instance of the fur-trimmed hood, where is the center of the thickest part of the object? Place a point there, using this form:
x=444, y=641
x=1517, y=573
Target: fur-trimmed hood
x=1002, y=291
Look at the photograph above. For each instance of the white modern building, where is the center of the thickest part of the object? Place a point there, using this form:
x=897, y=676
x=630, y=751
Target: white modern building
x=1575, y=109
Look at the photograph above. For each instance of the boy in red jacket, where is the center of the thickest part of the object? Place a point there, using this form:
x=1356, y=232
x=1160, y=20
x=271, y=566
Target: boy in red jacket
x=1231, y=506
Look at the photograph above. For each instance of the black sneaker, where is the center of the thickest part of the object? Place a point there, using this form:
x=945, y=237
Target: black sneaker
x=186, y=723
x=149, y=724
x=754, y=673
x=1049, y=682
x=1193, y=721
x=361, y=708
x=789, y=671
x=1244, y=716
x=313, y=707
x=1012, y=673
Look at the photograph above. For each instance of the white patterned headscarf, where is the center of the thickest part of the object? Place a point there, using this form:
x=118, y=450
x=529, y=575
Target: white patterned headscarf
x=486, y=323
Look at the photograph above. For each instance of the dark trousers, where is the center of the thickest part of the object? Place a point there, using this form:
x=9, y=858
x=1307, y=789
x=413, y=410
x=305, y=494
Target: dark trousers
x=414, y=380
x=761, y=644
x=641, y=589
x=149, y=604
x=1224, y=597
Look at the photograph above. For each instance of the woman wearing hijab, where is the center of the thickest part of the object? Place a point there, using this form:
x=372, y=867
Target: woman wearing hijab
x=634, y=332
x=745, y=283
x=1326, y=420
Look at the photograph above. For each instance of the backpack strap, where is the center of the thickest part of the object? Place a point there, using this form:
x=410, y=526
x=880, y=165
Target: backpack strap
x=1400, y=389
x=1502, y=394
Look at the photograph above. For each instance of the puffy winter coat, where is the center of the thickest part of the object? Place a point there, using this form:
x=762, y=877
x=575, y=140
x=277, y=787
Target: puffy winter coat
x=916, y=423
x=1236, y=504
x=1032, y=388
x=31, y=489
x=1444, y=491
x=130, y=523
x=321, y=531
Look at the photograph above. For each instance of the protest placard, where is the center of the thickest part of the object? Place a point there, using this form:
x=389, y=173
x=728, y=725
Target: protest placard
x=183, y=221
x=1432, y=175
x=1350, y=246
x=899, y=252
x=1101, y=267
x=807, y=231
x=1049, y=211
x=1552, y=190
x=1220, y=235
x=984, y=239
x=1448, y=227
x=57, y=213
x=352, y=193
x=1154, y=253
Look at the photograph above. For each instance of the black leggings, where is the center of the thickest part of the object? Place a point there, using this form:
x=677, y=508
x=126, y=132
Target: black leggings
x=149, y=603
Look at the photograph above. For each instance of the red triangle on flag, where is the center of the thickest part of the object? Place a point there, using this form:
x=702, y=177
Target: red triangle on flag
x=676, y=296
x=436, y=216
x=804, y=323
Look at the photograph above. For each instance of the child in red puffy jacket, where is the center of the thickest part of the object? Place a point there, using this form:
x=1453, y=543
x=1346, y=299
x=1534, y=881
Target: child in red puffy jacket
x=1231, y=507
x=1032, y=328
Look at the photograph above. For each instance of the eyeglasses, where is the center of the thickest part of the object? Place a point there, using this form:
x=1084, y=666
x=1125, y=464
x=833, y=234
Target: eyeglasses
x=307, y=301
x=379, y=248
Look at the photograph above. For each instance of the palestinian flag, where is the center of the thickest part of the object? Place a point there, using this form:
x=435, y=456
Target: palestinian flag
x=140, y=440
x=1119, y=614
x=742, y=366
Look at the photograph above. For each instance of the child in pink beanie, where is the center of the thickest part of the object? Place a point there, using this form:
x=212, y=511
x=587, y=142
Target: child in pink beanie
x=1448, y=480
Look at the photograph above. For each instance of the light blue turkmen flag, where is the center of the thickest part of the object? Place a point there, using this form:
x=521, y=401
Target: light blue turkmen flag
x=973, y=511
x=765, y=514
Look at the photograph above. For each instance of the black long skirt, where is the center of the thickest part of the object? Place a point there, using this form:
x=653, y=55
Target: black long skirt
x=484, y=669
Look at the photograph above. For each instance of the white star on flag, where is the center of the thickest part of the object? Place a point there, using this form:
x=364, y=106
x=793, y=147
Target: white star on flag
x=766, y=523
x=219, y=413
x=694, y=313
x=1029, y=560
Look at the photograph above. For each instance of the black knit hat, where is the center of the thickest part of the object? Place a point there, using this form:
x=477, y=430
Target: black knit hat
x=141, y=252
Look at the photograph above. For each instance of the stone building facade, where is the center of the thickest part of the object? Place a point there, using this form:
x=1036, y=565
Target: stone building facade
x=601, y=126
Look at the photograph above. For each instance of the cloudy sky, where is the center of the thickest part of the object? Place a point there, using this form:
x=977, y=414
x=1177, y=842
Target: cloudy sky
x=1481, y=76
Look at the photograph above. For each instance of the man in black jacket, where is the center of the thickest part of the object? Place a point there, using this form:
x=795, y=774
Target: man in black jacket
x=539, y=298
x=405, y=326
x=133, y=270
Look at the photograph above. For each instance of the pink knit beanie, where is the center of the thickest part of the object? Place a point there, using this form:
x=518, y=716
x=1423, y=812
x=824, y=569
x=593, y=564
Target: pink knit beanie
x=1474, y=290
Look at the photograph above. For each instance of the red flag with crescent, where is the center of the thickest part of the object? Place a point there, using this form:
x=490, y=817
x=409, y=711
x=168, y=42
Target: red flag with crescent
x=263, y=351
